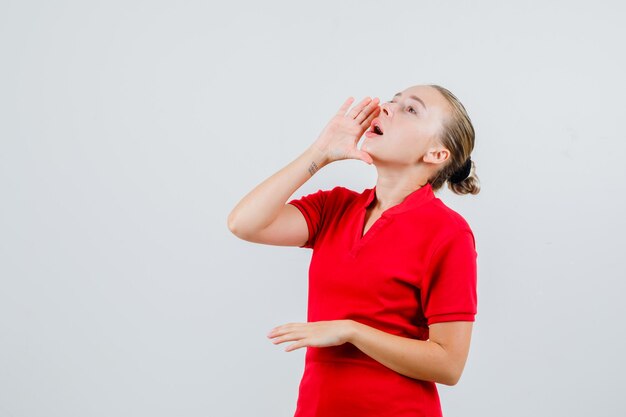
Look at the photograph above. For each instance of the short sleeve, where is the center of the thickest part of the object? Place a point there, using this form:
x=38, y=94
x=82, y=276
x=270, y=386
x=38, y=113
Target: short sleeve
x=448, y=290
x=312, y=208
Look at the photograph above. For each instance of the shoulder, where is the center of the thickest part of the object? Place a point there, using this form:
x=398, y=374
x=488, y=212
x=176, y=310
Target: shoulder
x=343, y=195
x=342, y=191
x=328, y=200
x=450, y=217
x=449, y=222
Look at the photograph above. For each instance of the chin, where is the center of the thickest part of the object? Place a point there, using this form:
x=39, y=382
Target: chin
x=384, y=157
x=370, y=144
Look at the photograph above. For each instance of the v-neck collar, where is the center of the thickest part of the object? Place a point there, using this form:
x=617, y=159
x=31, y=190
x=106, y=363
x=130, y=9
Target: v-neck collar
x=413, y=200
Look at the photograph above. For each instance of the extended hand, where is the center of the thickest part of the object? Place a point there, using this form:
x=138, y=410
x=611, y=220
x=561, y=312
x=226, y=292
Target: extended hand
x=316, y=334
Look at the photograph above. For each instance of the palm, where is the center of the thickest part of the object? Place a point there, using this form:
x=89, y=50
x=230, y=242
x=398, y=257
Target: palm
x=340, y=137
x=346, y=133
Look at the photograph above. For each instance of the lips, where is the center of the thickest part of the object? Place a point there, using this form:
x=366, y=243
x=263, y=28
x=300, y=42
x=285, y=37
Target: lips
x=376, y=127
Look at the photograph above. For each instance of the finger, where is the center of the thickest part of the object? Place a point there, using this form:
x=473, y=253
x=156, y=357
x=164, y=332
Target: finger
x=283, y=338
x=367, y=111
x=283, y=328
x=367, y=122
x=359, y=107
x=294, y=346
x=276, y=333
x=366, y=157
x=345, y=106
x=363, y=156
x=287, y=335
x=278, y=340
x=357, y=153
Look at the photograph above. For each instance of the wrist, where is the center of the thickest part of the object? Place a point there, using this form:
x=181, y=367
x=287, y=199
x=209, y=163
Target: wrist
x=353, y=330
x=319, y=157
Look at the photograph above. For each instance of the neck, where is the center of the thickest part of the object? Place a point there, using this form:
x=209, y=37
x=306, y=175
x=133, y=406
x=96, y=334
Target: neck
x=392, y=186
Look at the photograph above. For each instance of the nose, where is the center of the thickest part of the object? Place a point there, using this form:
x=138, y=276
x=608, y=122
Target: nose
x=386, y=108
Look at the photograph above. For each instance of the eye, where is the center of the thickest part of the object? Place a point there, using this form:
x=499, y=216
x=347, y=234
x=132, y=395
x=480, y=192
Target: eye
x=411, y=109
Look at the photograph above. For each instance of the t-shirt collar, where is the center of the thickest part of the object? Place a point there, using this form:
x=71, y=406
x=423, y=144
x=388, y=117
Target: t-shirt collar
x=415, y=199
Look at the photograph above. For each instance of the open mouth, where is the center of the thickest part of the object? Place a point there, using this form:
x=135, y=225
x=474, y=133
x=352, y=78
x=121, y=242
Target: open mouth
x=375, y=128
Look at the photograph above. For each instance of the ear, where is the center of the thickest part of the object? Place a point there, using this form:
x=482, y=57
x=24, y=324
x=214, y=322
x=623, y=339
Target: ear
x=436, y=155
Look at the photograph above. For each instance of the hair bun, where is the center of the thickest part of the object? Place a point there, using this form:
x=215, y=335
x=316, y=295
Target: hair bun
x=462, y=173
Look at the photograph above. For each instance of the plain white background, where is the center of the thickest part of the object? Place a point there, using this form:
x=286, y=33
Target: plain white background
x=130, y=129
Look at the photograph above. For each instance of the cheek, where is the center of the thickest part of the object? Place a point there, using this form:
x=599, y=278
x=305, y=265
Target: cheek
x=424, y=133
x=415, y=141
x=433, y=127
x=411, y=135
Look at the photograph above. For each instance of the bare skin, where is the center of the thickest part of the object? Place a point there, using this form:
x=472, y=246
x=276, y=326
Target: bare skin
x=262, y=215
x=371, y=215
x=405, y=156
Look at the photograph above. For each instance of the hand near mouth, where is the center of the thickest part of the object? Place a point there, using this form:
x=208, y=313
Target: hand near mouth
x=339, y=138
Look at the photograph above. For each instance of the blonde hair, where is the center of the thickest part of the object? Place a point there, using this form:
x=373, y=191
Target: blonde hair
x=458, y=137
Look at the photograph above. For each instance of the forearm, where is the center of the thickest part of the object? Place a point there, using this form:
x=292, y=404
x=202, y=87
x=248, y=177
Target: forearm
x=414, y=358
x=260, y=206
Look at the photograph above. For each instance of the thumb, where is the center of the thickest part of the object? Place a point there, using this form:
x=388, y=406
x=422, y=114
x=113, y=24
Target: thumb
x=364, y=156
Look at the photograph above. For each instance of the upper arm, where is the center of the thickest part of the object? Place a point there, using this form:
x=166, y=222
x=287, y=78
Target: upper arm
x=454, y=337
x=288, y=229
x=297, y=223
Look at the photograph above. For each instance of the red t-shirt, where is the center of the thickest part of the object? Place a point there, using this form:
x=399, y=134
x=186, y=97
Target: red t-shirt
x=415, y=266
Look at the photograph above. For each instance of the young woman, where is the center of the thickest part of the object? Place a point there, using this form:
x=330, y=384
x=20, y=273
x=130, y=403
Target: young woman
x=392, y=280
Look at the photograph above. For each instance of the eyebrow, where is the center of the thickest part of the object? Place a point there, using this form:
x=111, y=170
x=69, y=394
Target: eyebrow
x=414, y=97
